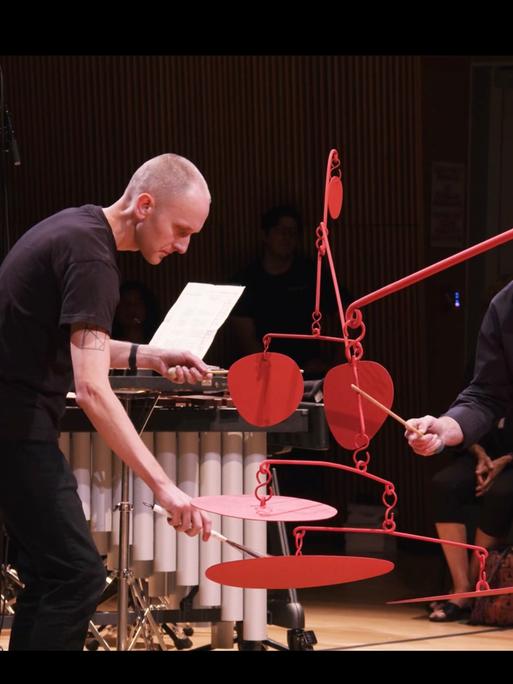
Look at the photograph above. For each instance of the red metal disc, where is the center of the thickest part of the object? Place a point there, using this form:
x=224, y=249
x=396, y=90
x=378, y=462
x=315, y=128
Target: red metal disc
x=289, y=572
x=341, y=402
x=248, y=507
x=335, y=196
x=461, y=594
x=265, y=388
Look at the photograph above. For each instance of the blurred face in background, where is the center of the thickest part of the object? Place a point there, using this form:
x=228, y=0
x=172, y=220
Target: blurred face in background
x=282, y=239
x=131, y=309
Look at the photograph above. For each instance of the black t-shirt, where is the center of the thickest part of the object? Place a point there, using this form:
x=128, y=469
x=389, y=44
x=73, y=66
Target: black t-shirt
x=61, y=271
x=284, y=304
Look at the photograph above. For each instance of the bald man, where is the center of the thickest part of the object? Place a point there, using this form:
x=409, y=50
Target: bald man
x=59, y=289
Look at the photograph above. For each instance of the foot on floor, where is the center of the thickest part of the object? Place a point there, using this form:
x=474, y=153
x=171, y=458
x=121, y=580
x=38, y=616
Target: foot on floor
x=450, y=612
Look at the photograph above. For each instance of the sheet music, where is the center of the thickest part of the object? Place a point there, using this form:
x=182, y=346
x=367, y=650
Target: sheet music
x=198, y=313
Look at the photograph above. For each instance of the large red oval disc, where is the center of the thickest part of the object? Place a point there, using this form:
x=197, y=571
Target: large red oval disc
x=289, y=572
x=341, y=402
x=248, y=507
x=265, y=388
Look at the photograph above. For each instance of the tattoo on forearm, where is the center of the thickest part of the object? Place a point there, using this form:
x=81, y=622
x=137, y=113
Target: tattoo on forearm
x=92, y=338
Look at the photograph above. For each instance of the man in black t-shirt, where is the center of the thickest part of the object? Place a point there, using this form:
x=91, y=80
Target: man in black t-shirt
x=279, y=296
x=59, y=288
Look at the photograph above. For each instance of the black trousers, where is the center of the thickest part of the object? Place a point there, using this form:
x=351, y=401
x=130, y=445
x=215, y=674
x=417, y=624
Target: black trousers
x=454, y=489
x=55, y=555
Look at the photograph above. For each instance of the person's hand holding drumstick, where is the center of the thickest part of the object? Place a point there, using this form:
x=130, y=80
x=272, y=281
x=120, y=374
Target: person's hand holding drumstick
x=427, y=436
x=438, y=434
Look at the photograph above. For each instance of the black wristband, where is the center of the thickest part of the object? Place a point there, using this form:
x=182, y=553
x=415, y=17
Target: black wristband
x=132, y=357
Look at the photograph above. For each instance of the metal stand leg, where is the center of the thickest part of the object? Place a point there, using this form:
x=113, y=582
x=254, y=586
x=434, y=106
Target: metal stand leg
x=140, y=601
x=10, y=583
x=98, y=640
x=128, y=585
x=125, y=508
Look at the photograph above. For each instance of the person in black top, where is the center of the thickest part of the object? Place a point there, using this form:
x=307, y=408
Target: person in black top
x=479, y=425
x=59, y=288
x=137, y=316
x=482, y=475
x=279, y=296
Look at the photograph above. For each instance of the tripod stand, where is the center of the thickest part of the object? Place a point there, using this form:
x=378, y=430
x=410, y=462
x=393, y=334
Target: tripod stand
x=128, y=584
x=129, y=587
x=10, y=583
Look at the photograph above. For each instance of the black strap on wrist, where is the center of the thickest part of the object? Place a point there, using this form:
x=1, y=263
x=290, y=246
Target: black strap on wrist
x=132, y=357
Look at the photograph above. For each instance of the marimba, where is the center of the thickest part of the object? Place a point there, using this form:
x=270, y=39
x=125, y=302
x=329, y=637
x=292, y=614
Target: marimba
x=207, y=449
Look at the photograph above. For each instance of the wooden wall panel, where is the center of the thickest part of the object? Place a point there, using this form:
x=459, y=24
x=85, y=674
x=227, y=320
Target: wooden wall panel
x=260, y=128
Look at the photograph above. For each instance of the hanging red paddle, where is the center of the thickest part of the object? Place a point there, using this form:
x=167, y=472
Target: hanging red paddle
x=335, y=196
x=266, y=388
x=341, y=402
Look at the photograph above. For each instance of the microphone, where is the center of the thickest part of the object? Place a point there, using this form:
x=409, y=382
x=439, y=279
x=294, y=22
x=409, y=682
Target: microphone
x=9, y=131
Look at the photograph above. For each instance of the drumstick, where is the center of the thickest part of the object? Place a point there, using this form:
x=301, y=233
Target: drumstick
x=387, y=410
x=214, y=533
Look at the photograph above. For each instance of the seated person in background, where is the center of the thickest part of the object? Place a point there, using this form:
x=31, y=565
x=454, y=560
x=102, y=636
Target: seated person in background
x=483, y=474
x=136, y=319
x=480, y=473
x=137, y=315
x=280, y=297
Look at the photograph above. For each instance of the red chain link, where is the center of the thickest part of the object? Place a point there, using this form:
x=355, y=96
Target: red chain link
x=316, y=323
x=335, y=165
x=265, y=471
x=482, y=584
x=388, y=520
x=354, y=350
x=299, y=537
x=361, y=463
x=320, y=243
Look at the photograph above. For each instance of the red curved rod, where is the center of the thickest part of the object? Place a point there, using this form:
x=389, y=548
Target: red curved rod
x=430, y=270
x=393, y=533
x=480, y=552
x=268, y=463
